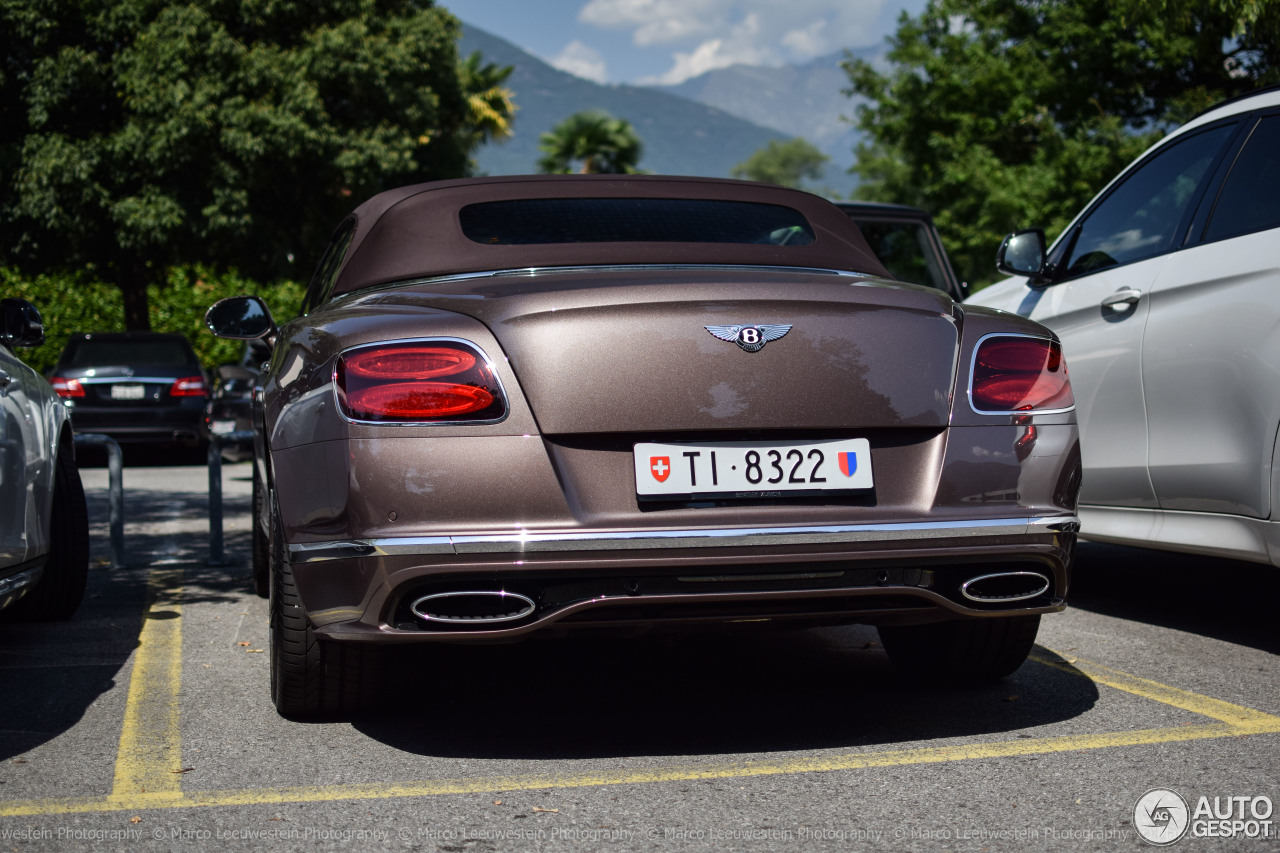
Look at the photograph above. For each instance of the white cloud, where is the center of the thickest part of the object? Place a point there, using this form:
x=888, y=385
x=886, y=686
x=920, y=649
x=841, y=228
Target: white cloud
x=709, y=34
x=740, y=47
x=807, y=41
x=583, y=61
x=655, y=21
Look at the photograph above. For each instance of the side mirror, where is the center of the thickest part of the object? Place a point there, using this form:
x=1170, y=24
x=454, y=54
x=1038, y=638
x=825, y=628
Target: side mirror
x=20, y=324
x=240, y=318
x=1022, y=253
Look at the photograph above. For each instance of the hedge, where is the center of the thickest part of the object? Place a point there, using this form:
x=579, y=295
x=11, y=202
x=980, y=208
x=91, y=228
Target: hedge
x=81, y=303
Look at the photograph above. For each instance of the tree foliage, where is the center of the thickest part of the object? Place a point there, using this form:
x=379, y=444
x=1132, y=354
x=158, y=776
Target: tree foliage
x=490, y=105
x=140, y=134
x=1001, y=114
x=786, y=163
x=78, y=302
x=591, y=142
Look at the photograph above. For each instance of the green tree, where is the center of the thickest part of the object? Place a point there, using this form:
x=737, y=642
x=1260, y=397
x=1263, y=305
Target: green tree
x=591, y=142
x=490, y=105
x=1001, y=114
x=140, y=134
x=786, y=163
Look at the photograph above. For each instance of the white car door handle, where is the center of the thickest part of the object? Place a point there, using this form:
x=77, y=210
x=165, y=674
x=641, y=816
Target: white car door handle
x=1122, y=300
x=5, y=379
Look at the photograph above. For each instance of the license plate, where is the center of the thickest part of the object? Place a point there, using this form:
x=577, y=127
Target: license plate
x=222, y=427
x=752, y=469
x=128, y=392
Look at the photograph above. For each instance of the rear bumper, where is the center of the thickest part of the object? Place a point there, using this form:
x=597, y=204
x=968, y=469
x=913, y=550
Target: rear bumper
x=183, y=423
x=364, y=590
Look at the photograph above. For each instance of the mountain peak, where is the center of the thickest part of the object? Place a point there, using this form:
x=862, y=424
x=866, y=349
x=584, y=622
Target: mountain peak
x=682, y=136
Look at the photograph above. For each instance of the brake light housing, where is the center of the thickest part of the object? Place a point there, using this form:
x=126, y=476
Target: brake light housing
x=187, y=386
x=1019, y=374
x=67, y=388
x=431, y=381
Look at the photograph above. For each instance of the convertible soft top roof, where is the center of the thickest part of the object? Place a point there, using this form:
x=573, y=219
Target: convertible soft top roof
x=415, y=232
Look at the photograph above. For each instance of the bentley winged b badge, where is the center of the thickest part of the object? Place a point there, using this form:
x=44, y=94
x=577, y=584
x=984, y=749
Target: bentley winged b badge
x=750, y=338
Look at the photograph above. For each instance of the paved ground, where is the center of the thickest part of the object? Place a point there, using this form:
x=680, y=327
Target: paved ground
x=144, y=723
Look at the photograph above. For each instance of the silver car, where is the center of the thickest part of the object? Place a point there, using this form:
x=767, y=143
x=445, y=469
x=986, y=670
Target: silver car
x=44, y=529
x=1165, y=292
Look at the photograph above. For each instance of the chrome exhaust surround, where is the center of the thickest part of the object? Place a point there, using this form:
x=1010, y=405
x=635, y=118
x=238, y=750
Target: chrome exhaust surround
x=475, y=607
x=1004, y=587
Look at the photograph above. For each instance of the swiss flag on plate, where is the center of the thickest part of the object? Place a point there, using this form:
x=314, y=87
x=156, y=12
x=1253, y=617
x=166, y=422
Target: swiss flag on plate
x=660, y=467
x=848, y=463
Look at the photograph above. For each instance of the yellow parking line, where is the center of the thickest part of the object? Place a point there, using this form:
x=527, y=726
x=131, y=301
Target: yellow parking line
x=150, y=748
x=1237, y=716
x=485, y=784
x=150, y=744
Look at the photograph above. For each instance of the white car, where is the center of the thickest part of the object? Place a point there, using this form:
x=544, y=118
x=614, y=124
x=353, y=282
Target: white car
x=1165, y=292
x=44, y=528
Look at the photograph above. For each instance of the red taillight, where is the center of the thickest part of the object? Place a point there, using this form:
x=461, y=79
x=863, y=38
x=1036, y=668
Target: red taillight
x=188, y=386
x=419, y=381
x=1015, y=374
x=67, y=387
x=419, y=362
x=417, y=400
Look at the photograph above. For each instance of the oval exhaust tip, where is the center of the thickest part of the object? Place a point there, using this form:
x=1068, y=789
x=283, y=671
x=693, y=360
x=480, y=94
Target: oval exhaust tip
x=1003, y=587
x=475, y=607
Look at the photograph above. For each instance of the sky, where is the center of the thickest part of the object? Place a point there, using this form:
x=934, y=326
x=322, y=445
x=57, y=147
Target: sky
x=668, y=41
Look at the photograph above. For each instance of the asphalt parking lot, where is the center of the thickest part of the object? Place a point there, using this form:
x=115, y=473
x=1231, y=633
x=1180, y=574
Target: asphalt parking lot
x=145, y=723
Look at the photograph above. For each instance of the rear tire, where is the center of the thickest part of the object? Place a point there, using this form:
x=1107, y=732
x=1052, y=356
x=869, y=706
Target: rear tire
x=261, y=547
x=969, y=651
x=58, y=593
x=310, y=678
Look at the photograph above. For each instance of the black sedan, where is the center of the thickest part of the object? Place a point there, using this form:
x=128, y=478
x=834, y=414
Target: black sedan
x=906, y=241
x=137, y=387
x=230, y=408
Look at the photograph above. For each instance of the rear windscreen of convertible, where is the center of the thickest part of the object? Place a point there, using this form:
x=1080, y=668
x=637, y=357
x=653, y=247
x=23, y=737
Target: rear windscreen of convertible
x=632, y=220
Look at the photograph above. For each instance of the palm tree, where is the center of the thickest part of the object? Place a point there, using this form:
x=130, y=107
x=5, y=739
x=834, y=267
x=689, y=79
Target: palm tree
x=490, y=108
x=592, y=141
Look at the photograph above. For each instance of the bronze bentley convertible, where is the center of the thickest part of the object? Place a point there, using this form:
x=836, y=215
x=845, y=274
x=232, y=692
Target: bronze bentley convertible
x=545, y=404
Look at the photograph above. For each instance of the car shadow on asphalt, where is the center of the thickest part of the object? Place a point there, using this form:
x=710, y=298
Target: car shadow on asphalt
x=52, y=672
x=159, y=510
x=735, y=693
x=1228, y=600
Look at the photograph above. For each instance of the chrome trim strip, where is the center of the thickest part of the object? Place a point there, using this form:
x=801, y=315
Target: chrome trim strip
x=973, y=365
x=533, y=271
x=317, y=552
x=990, y=599
x=20, y=580
x=636, y=540
x=527, y=607
x=587, y=268
x=127, y=380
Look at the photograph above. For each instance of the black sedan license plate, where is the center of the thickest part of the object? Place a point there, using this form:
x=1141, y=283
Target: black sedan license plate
x=751, y=469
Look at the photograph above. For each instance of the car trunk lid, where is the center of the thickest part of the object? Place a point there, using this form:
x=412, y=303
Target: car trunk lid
x=608, y=351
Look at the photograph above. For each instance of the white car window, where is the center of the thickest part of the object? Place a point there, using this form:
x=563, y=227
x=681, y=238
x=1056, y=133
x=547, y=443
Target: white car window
x=1250, y=198
x=1140, y=218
